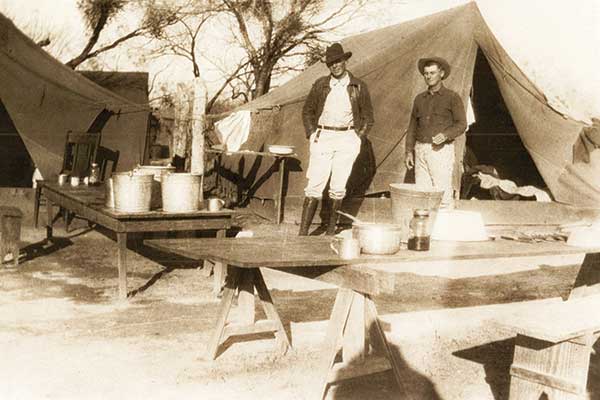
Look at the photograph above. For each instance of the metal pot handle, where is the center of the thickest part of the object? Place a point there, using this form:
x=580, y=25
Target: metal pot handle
x=333, y=247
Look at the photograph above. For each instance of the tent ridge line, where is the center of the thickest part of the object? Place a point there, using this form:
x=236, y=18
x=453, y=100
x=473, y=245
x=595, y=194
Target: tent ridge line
x=85, y=99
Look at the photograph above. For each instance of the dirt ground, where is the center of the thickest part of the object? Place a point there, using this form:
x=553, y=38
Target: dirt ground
x=63, y=335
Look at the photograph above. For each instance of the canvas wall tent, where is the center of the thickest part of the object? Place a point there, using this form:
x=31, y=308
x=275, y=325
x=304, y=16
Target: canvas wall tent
x=45, y=99
x=386, y=60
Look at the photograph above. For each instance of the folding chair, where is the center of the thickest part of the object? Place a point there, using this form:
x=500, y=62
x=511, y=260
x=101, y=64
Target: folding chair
x=104, y=156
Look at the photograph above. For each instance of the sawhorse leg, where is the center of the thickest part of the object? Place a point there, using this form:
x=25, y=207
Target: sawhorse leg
x=353, y=316
x=245, y=281
x=219, y=270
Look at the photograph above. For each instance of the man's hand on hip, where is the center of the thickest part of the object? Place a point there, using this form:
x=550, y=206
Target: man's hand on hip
x=439, y=139
x=409, y=160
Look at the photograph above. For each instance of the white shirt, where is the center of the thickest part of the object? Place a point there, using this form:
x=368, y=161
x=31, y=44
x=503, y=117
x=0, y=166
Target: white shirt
x=337, y=110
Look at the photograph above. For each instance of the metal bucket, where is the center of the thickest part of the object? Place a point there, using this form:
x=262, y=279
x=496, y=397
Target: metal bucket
x=109, y=193
x=181, y=192
x=157, y=171
x=132, y=192
x=406, y=198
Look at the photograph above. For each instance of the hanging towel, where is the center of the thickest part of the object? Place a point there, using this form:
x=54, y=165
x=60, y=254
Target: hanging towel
x=233, y=131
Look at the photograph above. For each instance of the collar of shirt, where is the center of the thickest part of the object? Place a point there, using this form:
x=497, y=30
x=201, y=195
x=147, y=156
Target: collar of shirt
x=439, y=91
x=342, y=82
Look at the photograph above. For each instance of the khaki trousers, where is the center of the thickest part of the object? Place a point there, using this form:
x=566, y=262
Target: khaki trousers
x=433, y=168
x=332, y=154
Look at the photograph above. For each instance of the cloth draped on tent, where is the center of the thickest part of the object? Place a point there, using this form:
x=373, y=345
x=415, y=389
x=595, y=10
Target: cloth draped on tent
x=233, y=130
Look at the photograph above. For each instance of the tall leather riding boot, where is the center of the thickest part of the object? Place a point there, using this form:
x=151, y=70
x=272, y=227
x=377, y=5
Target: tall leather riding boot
x=333, y=217
x=309, y=207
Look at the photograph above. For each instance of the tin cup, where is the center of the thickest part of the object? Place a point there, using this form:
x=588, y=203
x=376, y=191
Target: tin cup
x=346, y=248
x=215, y=204
x=74, y=181
x=62, y=179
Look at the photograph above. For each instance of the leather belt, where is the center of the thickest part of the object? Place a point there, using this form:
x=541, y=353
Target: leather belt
x=335, y=128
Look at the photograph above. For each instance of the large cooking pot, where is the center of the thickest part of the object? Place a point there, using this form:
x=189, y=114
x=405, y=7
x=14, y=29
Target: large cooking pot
x=377, y=238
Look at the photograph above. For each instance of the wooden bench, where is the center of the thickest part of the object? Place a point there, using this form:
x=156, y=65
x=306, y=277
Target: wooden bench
x=552, y=349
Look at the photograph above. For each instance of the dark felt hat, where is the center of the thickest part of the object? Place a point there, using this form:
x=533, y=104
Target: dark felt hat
x=335, y=52
x=439, y=61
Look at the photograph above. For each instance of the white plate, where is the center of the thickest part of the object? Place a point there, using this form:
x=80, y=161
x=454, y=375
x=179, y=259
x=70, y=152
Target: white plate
x=281, y=149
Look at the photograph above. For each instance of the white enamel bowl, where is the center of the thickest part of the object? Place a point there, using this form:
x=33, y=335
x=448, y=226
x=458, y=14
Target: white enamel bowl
x=459, y=226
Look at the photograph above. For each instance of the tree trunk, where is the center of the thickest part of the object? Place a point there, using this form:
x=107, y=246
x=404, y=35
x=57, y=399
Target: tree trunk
x=263, y=82
x=197, y=164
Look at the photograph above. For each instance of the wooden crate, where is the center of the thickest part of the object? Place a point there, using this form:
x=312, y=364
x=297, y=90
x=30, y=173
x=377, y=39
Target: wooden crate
x=10, y=232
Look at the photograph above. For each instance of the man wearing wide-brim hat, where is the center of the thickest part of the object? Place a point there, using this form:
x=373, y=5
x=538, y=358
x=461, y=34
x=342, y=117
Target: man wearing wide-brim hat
x=437, y=118
x=337, y=113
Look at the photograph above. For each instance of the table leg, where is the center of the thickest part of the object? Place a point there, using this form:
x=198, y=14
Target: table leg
x=50, y=222
x=36, y=204
x=353, y=315
x=279, y=195
x=68, y=216
x=245, y=280
x=219, y=269
x=122, y=264
x=231, y=285
x=353, y=348
x=283, y=341
x=370, y=306
x=246, y=301
x=335, y=330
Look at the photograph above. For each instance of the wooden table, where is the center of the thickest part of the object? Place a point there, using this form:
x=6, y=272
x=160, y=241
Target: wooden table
x=278, y=164
x=354, y=313
x=88, y=203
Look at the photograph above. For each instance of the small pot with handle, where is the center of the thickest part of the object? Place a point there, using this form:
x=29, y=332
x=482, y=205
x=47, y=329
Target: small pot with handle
x=376, y=238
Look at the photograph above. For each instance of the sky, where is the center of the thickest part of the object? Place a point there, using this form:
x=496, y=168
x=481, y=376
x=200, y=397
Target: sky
x=554, y=41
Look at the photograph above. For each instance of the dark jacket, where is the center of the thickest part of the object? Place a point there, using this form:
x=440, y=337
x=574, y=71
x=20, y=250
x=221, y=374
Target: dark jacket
x=362, y=110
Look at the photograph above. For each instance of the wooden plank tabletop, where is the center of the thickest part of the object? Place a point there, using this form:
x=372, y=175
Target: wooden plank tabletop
x=93, y=197
x=315, y=251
